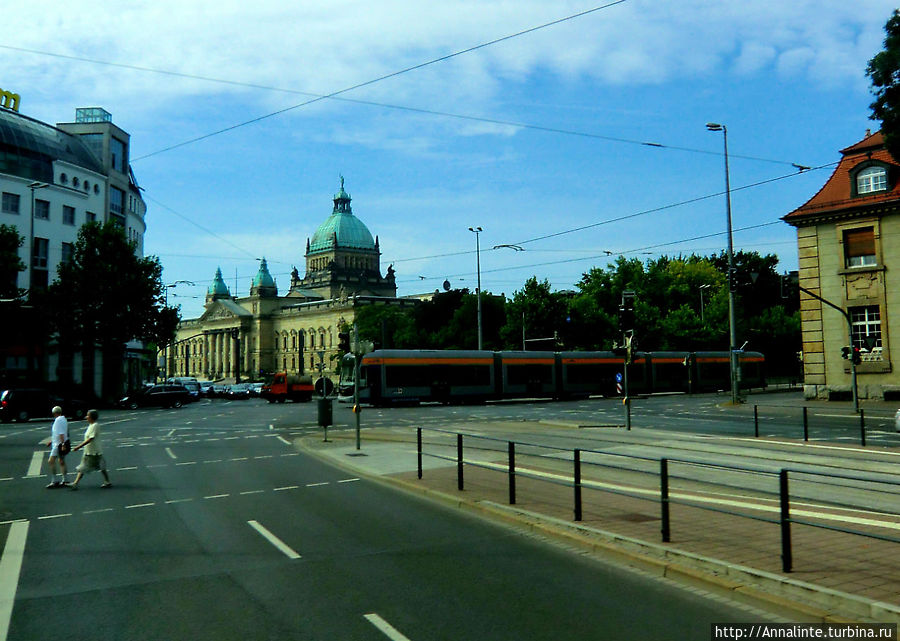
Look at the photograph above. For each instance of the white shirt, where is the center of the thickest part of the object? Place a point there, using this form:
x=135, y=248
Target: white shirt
x=60, y=428
x=92, y=431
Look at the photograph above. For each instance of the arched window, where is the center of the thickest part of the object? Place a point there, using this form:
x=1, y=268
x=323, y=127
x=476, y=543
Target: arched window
x=871, y=180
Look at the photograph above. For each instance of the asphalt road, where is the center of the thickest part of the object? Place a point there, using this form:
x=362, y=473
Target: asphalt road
x=218, y=528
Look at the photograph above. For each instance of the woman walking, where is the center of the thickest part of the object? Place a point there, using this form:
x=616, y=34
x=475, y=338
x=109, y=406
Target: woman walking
x=93, y=455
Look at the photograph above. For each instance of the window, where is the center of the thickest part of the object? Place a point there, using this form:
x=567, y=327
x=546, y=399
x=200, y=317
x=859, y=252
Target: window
x=859, y=247
x=68, y=250
x=68, y=215
x=39, y=253
x=42, y=209
x=116, y=200
x=870, y=180
x=117, y=154
x=10, y=203
x=866, y=322
x=63, y=178
x=90, y=217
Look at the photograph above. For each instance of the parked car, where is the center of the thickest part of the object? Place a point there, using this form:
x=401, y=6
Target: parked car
x=255, y=389
x=897, y=421
x=218, y=390
x=193, y=387
x=23, y=404
x=158, y=396
x=205, y=388
x=238, y=391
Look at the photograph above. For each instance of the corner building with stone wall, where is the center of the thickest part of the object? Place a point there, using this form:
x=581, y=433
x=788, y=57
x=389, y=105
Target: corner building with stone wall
x=296, y=332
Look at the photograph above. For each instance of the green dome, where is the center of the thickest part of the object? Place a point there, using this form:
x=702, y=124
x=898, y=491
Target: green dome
x=263, y=278
x=218, y=288
x=350, y=231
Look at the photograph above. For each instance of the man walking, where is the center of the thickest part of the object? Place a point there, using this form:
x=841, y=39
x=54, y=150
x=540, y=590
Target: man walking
x=93, y=455
x=59, y=444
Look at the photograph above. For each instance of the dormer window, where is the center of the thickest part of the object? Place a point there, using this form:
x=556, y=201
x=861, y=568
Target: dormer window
x=871, y=180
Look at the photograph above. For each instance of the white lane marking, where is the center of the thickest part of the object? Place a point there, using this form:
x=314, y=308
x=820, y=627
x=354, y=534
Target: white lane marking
x=188, y=463
x=385, y=628
x=129, y=507
x=10, y=566
x=170, y=502
x=315, y=484
x=264, y=457
x=274, y=540
x=216, y=496
x=35, y=468
x=53, y=516
x=125, y=469
x=286, y=487
x=240, y=458
x=171, y=453
x=284, y=440
x=348, y=481
x=106, y=509
x=172, y=431
x=253, y=492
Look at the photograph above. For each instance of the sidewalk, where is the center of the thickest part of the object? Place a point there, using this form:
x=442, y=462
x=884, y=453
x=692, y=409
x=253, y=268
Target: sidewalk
x=835, y=577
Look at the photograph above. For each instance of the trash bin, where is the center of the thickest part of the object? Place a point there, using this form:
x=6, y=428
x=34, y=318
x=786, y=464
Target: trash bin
x=325, y=406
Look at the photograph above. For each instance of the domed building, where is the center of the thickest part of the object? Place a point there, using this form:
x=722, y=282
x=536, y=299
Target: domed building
x=297, y=331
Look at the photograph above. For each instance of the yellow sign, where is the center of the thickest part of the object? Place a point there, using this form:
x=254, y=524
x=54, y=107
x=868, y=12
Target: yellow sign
x=9, y=100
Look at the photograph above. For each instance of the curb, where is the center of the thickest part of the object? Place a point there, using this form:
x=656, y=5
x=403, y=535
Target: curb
x=783, y=596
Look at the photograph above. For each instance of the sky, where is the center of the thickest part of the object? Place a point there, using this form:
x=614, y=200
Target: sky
x=539, y=136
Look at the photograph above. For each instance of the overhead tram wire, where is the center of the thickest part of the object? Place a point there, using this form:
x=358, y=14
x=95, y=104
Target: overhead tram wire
x=419, y=110
x=628, y=217
x=393, y=74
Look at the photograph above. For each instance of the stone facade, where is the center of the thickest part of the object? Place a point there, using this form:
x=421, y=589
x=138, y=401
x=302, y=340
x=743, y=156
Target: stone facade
x=848, y=238
x=298, y=333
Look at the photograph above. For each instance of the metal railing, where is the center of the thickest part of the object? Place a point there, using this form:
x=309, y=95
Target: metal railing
x=662, y=495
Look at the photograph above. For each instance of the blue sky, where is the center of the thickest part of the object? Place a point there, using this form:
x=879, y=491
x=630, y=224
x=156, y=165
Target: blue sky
x=788, y=80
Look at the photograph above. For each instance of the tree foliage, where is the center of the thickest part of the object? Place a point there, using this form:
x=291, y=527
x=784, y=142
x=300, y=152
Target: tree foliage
x=106, y=296
x=10, y=263
x=884, y=72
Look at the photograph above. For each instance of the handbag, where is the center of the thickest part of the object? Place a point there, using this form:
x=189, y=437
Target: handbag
x=65, y=447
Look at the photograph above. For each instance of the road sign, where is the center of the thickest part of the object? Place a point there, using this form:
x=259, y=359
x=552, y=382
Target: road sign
x=618, y=377
x=324, y=386
x=618, y=388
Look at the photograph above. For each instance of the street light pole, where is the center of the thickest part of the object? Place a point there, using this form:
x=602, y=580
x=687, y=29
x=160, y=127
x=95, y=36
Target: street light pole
x=477, y=231
x=712, y=126
x=166, y=304
x=702, y=315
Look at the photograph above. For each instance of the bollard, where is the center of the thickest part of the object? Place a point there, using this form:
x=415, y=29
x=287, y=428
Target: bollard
x=862, y=427
x=664, y=497
x=459, y=462
x=577, y=478
x=756, y=421
x=787, y=560
x=805, y=425
x=512, y=473
x=419, y=448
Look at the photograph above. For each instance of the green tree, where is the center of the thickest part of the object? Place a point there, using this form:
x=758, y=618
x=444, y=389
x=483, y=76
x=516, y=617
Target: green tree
x=544, y=314
x=10, y=263
x=106, y=296
x=884, y=72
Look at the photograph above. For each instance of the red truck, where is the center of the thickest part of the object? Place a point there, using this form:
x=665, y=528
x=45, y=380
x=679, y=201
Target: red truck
x=288, y=387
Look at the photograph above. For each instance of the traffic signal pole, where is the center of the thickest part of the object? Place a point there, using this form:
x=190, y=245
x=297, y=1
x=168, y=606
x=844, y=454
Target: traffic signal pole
x=356, y=358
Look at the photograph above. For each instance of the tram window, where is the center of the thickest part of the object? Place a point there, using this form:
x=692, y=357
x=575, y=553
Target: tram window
x=524, y=374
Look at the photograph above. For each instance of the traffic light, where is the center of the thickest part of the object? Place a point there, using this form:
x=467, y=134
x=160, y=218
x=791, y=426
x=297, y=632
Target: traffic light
x=626, y=311
x=857, y=356
x=629, y=348
x=845, y=353
x=344, y=341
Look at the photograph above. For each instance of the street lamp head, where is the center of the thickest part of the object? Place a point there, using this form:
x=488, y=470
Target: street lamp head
x=714, y=126
x=475, y=229
x=706, y=286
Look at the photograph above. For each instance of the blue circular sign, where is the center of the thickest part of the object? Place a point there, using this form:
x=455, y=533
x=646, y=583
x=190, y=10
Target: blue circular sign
x=618, y=377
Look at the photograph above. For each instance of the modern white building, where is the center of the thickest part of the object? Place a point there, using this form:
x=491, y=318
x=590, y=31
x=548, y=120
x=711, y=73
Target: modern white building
x=53, y=180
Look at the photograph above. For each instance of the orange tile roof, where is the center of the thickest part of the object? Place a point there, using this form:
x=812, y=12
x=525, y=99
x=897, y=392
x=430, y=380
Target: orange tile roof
x=835, y=195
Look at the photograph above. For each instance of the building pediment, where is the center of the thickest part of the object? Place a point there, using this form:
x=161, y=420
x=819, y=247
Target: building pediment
x=223, y=309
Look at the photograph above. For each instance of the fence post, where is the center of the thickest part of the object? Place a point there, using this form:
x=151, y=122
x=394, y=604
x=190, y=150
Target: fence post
x=756, y=421
x=862, y=427
x=577, y=477
x=459, y=462
x=664, y=497
x=419, y=449
x=512, y=473
x=787, y=560
x=805, y=425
